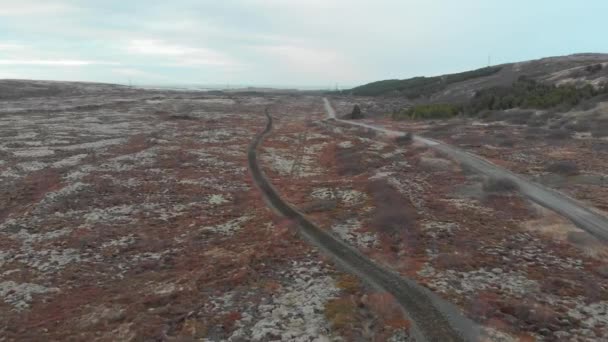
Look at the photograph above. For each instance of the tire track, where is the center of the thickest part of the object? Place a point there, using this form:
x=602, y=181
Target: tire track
x=433, y=318
x=584, y=217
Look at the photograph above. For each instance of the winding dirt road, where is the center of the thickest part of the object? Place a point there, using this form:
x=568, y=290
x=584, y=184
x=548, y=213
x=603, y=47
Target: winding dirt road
x=433, y=318
x=586, y=218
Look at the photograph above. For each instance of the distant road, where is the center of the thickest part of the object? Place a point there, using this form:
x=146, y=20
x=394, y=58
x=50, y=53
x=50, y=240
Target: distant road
x=433, y=319
x=584, y=217
x=329, y=109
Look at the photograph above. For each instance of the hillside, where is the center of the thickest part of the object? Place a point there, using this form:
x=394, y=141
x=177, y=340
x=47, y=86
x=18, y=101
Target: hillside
x=17, y=89
x=565, y=70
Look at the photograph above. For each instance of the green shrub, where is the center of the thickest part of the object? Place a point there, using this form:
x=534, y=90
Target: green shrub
x=404, y=139
x=428, y=111
x=356, y=113
x=528, y=93
x=499, y=185
x=565, y=167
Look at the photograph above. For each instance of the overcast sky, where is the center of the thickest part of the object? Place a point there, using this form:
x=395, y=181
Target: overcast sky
x=285, y=42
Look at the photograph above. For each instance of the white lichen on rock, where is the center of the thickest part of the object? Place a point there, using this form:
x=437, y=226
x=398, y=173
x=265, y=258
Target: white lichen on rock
x=70, y=161
x=95, y=145
x=217, y=199
x=34, y=152
x=348, y=197
x=345, y=144
x=296, y=313
x=229, y=227
x=19, y=295
x=471, y=282
x=349, y=231
x=111, y=214
x=31, y=166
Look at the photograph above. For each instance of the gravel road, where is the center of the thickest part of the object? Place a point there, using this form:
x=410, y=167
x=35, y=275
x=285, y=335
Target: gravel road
x=433, y=318
x=584, y=217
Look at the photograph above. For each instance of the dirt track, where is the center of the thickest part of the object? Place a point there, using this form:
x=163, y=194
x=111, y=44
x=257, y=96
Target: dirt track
x=433, y=318
x=583, y=217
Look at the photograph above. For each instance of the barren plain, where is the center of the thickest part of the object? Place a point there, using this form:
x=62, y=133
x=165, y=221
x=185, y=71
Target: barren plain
x=130, y=215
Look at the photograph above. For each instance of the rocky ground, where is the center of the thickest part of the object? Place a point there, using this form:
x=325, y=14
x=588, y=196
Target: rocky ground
x=519, y=270
x=131, y=216
x=567, y=151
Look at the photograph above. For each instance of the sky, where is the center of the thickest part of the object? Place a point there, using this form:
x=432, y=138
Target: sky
x=295, y=43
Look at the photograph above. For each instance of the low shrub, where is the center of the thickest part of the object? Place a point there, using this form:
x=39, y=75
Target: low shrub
x=519, y=117
x=368, y=133
x=578, y=126
x=428, y=111
x=565, y=167
x=181, y=117
x=349, y=161
x=558, y=134
x=506, y=142
x=592, y=69
x=356, y=113
x=600, y=129
x=499, y=185
x=392, y=215
x=404, y=139
x=600, y=146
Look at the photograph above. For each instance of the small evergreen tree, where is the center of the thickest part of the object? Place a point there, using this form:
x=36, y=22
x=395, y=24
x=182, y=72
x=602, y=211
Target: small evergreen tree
x=356, y=113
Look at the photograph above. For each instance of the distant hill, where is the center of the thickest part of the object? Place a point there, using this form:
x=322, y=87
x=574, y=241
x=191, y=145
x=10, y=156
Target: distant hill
x=14, y=89
x=578, y=70
x=420, y=86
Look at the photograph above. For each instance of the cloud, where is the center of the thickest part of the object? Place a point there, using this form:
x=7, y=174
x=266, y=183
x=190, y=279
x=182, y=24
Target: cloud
x=11, y=46
x=57, y=62
x=313, y=62
x=179, y=54
x=138, y=74
x=29, y=7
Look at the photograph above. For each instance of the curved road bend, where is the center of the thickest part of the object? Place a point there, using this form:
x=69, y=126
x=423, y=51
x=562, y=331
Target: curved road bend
x=587, y=219
x=433, y=318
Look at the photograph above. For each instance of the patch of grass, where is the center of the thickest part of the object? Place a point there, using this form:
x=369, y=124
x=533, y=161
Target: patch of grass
x=499, y=185
x=340, y=312
x=348, y=283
